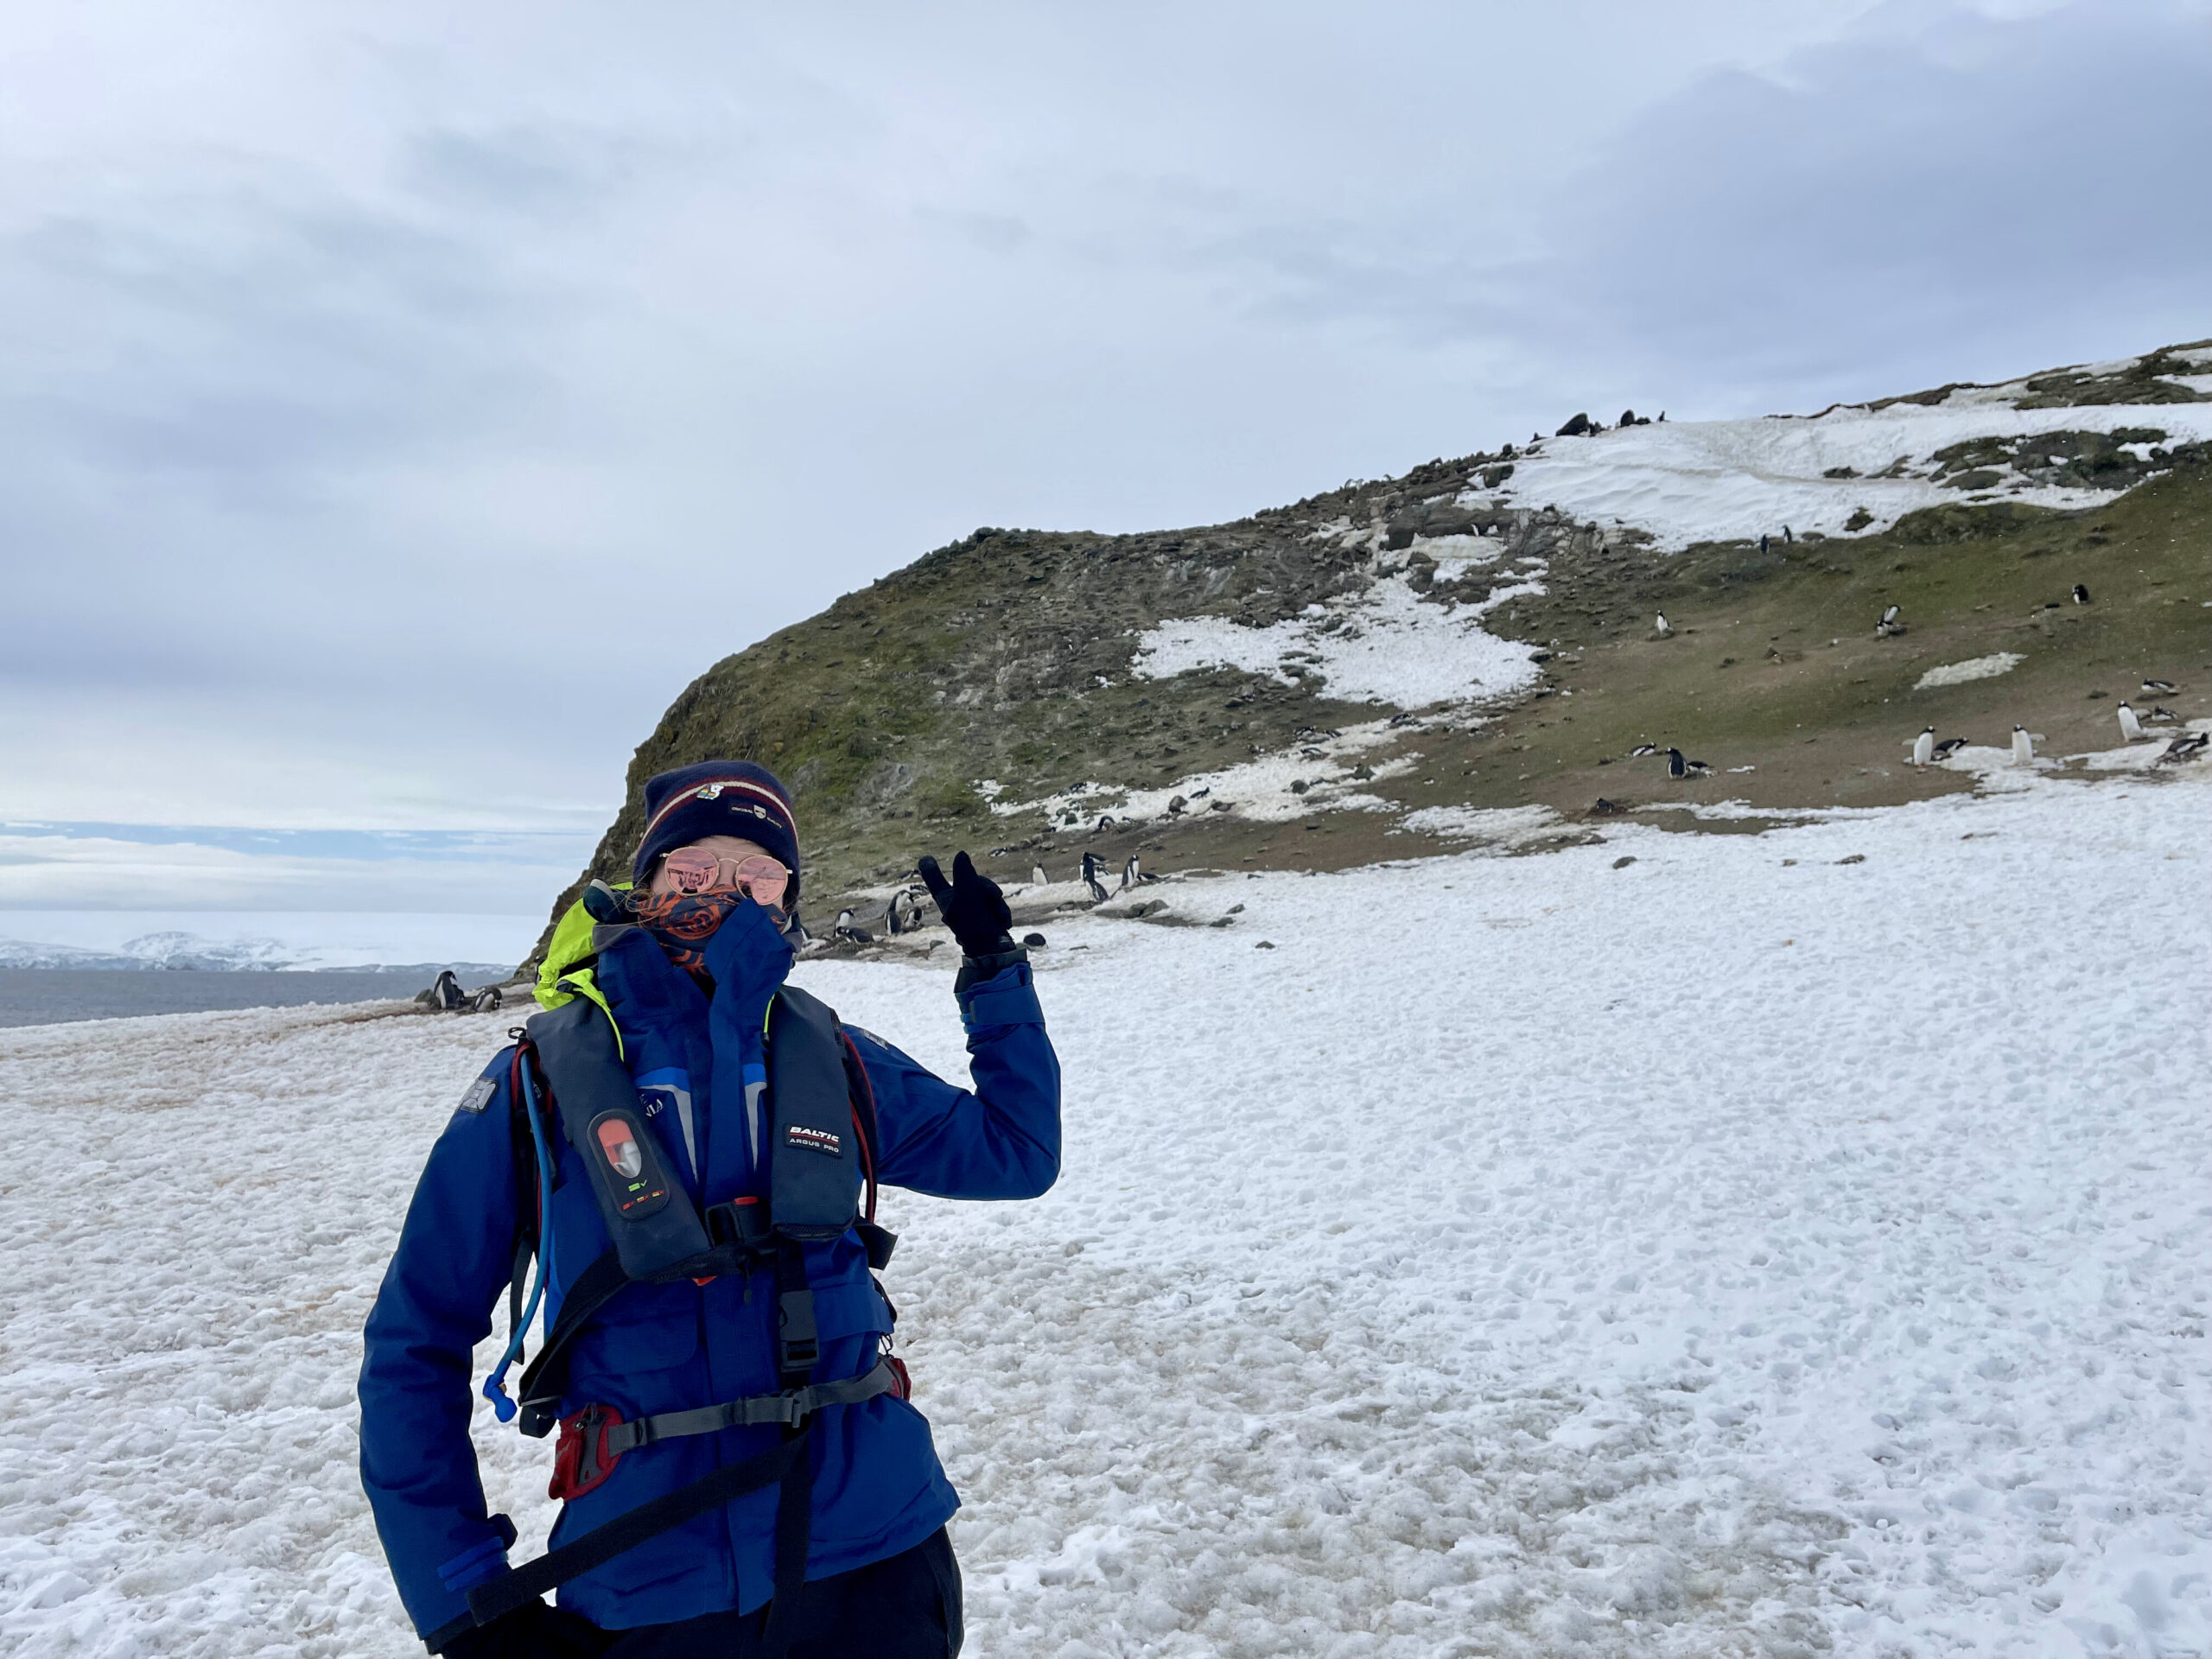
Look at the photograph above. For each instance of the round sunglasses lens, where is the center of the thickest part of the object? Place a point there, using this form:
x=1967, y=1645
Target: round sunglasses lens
x=692, y=872
x=764, y=880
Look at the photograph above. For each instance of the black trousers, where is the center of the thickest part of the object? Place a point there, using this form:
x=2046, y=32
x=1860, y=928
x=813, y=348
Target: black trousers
x=906, y=1607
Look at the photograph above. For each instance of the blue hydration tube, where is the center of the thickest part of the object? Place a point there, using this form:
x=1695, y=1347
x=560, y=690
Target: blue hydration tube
x=495, y=1386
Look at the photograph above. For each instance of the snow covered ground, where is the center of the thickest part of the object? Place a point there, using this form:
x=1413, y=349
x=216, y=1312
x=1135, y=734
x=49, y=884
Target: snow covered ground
x=1781, y=1244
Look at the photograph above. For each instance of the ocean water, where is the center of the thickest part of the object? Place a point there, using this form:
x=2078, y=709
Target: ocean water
x=44, y=996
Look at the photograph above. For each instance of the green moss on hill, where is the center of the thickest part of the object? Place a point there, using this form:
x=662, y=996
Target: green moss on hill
x=1005, y=656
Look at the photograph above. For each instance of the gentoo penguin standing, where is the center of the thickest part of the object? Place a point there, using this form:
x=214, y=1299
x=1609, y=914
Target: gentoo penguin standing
x=2081, y=595
x=1923, y=747
x=1131, y=874
x=1676, y=766
x=2130, y=727
x=1037, y=875
x=2023, y=747
x=1090, y=877
x=1659, y=626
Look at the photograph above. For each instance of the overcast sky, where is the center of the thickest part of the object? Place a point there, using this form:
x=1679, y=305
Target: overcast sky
x=400, y=404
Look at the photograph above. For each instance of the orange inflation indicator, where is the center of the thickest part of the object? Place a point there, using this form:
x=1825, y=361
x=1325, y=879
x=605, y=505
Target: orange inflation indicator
x=622, y=1152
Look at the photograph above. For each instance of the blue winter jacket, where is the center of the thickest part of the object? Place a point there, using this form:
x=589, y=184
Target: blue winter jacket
x=878, y=1487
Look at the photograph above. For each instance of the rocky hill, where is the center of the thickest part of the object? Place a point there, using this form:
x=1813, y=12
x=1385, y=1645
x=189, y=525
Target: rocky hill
x=1473, y=650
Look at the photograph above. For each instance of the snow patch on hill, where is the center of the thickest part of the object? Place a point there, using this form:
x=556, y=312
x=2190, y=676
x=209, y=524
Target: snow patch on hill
x=1384, y=644
x=1321, y=774
x=1975, y=668
x=1717, y=480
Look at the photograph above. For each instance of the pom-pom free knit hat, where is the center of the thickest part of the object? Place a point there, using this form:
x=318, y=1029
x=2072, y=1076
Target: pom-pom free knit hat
x=719, y=797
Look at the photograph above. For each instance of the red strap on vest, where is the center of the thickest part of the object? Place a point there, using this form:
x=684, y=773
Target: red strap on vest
x=581, y=1459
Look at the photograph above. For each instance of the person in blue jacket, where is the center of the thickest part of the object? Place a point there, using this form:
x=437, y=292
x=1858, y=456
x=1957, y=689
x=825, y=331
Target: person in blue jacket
x=687, y=983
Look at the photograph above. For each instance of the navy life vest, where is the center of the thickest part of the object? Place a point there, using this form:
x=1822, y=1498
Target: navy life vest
x=822, y=1128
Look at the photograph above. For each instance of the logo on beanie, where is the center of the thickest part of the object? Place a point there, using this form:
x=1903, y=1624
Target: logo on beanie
x=714, y=792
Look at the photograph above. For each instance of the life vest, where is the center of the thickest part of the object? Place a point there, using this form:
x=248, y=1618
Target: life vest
x=569, y=1081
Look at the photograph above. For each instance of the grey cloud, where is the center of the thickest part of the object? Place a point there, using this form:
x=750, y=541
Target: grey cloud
x=305, y=426
x=245, y=336
x=1941, y=192
x=1982, y=194
x=527, y=171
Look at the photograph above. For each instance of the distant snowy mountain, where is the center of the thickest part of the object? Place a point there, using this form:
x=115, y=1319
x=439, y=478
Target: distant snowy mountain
x=172, y=949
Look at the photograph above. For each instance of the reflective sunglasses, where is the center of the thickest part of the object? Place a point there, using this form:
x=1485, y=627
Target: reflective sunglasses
x=758, y=876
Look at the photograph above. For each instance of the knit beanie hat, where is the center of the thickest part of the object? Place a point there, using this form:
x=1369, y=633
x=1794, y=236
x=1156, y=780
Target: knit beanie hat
x=719, y=797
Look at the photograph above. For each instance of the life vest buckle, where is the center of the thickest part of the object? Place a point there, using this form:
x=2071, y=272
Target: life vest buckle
x=741, y=1222
x=581, y=1459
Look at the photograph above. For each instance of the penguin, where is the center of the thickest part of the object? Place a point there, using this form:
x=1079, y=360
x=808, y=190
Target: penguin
x=2185, y=747
x=2081, y=595
x=1659, y=626
x=2161, y=715
x=1889, y=613
x=1037, y=876
x=1676, y=766
x=1643, y=749
x=1949, y=747
x=1923, y=747
x=1090, y=869
x=2160, y=688
x=1132, y=874
x=1697, y=769
x=2023, y=747
x=1200, y=794
x=1105, y=822
x=2130, y=727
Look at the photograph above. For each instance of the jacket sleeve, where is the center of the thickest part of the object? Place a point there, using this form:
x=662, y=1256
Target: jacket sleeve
x=1000, y=1141
x=456, y=1253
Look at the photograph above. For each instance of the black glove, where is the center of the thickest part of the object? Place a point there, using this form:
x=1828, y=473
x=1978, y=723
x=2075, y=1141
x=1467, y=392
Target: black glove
x=533, y=1630
x=972, y=905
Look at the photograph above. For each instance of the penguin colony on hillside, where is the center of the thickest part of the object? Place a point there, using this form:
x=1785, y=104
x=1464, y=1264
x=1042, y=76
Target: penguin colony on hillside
x=1928, y=749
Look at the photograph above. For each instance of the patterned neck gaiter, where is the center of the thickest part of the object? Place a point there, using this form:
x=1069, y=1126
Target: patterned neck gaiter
x=683, y=922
